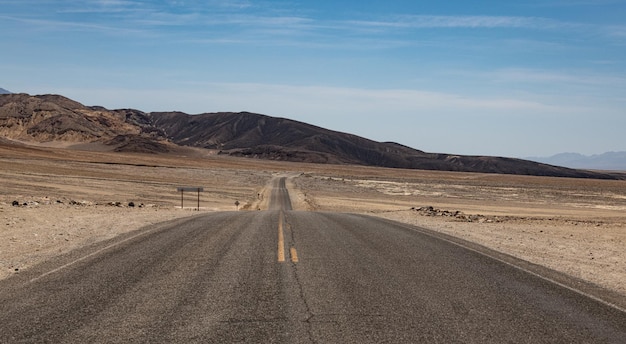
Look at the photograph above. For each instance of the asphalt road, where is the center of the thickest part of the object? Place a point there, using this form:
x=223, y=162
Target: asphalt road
x=283, y=276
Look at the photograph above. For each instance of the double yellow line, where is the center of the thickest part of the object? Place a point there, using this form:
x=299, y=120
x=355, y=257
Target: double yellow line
x=281, y=242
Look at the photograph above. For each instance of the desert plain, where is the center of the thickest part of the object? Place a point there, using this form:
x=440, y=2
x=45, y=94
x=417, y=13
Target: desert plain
x=55, y=200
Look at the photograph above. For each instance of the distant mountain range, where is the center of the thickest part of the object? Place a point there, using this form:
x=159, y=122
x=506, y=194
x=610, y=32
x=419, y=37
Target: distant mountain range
x=615, y=161
x=51, y=118
x=3, y=91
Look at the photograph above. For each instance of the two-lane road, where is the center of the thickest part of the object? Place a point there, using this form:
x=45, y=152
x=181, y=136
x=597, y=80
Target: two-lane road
x=283, y=276
x=279, y=195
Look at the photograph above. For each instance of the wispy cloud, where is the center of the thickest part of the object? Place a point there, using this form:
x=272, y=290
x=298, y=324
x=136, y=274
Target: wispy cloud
x=618, y=31
x=63, y=25
x=468, y=22
x=573, y=3
x=235, y=4
x=206, y=15
x=281, y=98
x=242, y=21
x=100, y=6
x=515, y=75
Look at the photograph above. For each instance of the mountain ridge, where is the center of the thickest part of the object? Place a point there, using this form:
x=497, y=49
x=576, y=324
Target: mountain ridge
x=615, y=161
x=49, y=118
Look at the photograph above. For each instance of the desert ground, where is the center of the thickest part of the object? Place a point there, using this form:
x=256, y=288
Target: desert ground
x=65, y=199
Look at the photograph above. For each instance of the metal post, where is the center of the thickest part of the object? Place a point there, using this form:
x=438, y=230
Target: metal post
x=182, y=195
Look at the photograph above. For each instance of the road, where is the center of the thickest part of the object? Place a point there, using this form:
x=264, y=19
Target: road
x=284, y=276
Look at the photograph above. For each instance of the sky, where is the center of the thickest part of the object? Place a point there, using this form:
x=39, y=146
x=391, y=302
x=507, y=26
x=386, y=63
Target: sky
x=504, y=78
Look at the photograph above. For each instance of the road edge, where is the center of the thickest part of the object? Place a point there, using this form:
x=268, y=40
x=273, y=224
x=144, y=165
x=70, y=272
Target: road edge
x=588, y=289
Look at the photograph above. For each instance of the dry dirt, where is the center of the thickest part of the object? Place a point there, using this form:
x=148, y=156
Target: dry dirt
x=75, y=198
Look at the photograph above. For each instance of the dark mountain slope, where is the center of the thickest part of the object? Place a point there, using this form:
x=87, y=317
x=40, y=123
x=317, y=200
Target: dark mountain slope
x=260, y=136
x=247, y=134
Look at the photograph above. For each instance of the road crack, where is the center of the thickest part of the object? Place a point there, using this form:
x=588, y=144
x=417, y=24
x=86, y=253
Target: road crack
x=307, y=308
x=308, y=313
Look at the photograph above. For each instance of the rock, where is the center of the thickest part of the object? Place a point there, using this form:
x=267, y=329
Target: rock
x=131, y=204
x=458, y=215
x=16, y=203
x=81, y=203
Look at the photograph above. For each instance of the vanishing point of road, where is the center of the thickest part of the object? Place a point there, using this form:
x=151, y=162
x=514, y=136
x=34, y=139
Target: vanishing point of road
x=284, y=276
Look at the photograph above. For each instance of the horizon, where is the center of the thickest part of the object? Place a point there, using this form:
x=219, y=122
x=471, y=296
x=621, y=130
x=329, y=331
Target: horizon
x=524, y=79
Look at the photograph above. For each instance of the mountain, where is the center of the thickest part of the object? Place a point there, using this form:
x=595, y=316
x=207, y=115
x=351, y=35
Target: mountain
x=3, y=91
x=258, y=136
x=47, y=118
x=615, y=161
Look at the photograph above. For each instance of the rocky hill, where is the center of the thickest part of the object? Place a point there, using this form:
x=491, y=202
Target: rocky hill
x=55, y=118
x=50, y=118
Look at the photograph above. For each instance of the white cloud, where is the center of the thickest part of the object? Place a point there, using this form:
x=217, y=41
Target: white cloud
x=64, y=25
x=99, y=6
x=618, y=31
x=282, y=100
x=553, y=77
x=430, y=21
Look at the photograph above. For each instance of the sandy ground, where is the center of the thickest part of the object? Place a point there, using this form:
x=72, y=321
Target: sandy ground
x=68, y=201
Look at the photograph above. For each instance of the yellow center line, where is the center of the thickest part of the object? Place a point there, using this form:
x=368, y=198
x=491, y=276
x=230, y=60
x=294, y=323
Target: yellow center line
x=294, y=255
x=281, y=239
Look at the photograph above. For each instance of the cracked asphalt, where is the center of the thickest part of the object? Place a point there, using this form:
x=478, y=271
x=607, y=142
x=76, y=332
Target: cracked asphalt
x=343, y=278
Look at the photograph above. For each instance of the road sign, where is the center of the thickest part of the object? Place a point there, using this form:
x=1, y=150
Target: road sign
x=191, y=189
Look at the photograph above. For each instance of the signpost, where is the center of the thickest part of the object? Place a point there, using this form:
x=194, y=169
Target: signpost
x=188, y=188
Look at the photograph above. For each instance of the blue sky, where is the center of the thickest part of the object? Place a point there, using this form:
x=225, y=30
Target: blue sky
x=508, y=78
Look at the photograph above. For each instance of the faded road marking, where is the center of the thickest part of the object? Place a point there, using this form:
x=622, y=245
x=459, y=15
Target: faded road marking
x=281, y=238
x=294, y=255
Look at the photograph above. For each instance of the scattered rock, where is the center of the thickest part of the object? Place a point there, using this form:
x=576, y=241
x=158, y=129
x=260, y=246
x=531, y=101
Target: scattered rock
x=16, y=203
x=131, y=204
x=80, y=203
x=430, y=211
x=458, y=215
